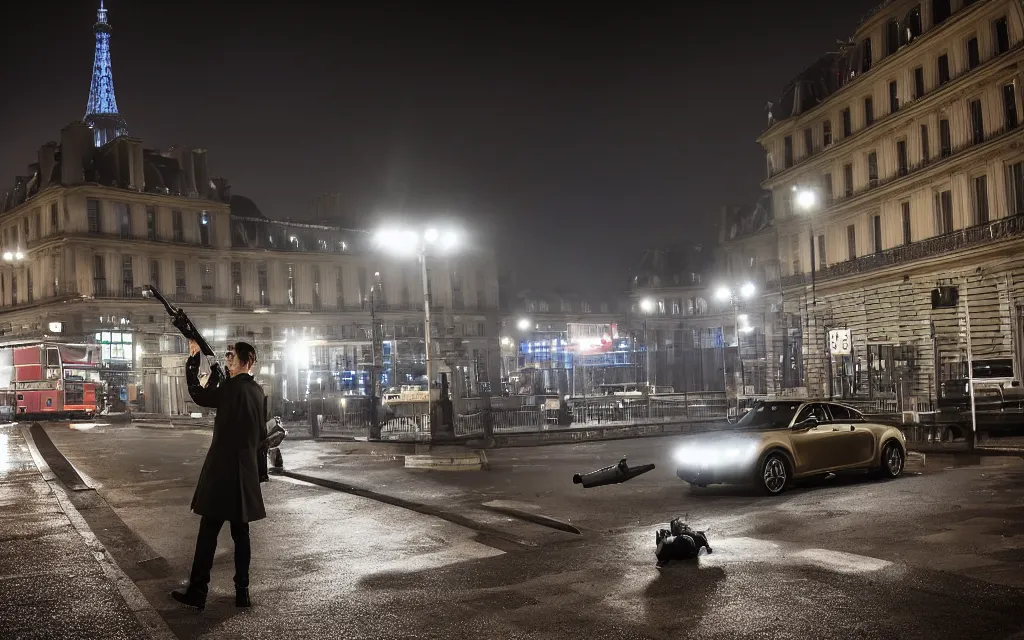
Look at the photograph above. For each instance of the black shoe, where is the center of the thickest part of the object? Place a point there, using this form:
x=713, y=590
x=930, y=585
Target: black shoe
x=190, y=598
x=242, y=598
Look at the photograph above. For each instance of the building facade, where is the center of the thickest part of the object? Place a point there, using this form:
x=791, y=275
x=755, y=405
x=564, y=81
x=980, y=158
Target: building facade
x=674, y=314
x=78, y=253
x=909, y=142
x=564, y=344
x=98, y=216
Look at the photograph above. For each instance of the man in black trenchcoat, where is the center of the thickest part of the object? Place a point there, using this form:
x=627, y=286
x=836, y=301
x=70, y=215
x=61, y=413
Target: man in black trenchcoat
x=229, y=485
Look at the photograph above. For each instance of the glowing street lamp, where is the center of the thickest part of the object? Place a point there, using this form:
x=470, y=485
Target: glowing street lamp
x=406, y=242
x=647, y=306
x=741, y=322
x=524, y=324
x=807, y=201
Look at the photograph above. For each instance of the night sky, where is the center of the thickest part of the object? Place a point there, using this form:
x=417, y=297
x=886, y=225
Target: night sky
x=571, y=138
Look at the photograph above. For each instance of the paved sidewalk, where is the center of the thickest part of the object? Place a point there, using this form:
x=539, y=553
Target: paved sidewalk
x=54, y=583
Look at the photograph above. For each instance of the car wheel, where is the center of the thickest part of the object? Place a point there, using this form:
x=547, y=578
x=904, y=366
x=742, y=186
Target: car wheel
x=893, y=460
x=773, y=474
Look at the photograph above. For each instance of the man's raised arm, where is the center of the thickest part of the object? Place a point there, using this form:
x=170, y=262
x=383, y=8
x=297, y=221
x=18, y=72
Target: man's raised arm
x=208, y=396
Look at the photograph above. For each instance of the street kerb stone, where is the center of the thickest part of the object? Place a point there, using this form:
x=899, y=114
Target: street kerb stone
x=140, y=619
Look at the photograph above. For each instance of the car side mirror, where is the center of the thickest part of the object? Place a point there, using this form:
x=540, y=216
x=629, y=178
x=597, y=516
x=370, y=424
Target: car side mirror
x=808, y=423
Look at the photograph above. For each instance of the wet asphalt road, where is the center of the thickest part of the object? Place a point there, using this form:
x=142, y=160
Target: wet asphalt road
x=937, y=554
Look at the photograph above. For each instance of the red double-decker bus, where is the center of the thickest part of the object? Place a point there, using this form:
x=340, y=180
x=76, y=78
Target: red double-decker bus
x=49, y=380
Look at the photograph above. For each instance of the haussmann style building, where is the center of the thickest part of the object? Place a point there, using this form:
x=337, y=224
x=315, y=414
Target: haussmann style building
x=897, y=172
x=98, y=216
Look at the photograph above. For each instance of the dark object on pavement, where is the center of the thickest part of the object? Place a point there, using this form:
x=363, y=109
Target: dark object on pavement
x=679, y=542
x=613, y=474
x=183, y=324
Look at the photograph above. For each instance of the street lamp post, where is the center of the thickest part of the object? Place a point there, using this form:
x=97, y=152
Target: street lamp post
x=734, y=295
x=807, y=201
x=405, y=242
x=14, y=258
x=647, y=307
x=320, y=386
x=525, y=326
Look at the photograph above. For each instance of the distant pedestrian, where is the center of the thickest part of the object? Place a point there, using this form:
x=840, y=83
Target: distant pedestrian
x=229, y=484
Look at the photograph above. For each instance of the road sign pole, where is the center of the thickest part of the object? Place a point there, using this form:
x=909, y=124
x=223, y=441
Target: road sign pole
x=970, y=367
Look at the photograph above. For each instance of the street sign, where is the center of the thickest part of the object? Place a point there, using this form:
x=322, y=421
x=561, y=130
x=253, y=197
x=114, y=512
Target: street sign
x=839, y=343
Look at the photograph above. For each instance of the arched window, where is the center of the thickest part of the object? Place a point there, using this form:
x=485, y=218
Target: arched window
x=892, y=36
x=702, y=306
x=911, y=27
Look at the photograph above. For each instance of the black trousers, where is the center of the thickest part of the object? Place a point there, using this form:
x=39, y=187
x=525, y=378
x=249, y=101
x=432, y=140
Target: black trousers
x=206, y=547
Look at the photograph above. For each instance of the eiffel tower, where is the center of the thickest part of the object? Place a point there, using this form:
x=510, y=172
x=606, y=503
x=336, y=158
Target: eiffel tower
x=101, y=111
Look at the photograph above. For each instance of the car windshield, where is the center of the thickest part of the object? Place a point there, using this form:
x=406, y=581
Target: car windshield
x=769, y=415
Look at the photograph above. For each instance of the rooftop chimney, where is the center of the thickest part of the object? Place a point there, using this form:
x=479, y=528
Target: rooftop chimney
x=47, y=160
x=76, y=148
x=202, y=173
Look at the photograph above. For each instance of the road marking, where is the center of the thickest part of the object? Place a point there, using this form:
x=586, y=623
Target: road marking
x=736, y=550
x=841, y=561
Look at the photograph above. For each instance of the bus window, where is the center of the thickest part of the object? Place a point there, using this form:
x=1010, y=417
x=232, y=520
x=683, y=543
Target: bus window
x=74, y=393
x=52, y=357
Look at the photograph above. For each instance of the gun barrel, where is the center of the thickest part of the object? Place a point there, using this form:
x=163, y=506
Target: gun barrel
x=181, y=321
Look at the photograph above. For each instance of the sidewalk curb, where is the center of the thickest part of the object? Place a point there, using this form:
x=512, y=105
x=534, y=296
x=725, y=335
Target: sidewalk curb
x=144, y=612
x=529, y=516
x=977, y=451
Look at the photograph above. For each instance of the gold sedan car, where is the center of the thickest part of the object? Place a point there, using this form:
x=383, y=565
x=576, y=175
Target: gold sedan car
x=779, y=441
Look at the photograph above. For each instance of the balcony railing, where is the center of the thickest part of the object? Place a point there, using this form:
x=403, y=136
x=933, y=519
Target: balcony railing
x=978, y=235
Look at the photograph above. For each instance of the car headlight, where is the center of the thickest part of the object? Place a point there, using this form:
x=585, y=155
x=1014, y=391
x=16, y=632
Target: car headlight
x=689, y=455
x=724, y=454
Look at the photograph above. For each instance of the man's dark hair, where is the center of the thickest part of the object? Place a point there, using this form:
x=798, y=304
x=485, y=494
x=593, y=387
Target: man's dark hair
x=245, y=352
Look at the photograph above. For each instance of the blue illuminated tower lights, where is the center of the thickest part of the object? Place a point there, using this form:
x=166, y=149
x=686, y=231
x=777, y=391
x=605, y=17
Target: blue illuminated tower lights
x=101, y=111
